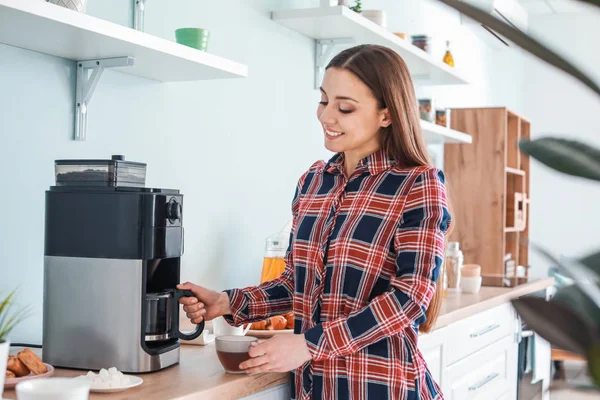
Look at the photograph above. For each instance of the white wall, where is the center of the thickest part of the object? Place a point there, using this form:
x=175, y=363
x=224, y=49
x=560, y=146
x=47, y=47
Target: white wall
x=565, y=212
x=234, y=148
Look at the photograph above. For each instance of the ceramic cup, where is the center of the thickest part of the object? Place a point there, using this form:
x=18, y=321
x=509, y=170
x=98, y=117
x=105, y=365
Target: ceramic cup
x=222, y=328
x=53, y=389
x=193, y=37
x=4, y=347
x=471, y=270
x=233, y=350
x=470, y=284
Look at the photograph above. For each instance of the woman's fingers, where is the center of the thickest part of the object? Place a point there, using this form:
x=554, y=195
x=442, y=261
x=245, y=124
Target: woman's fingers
x=197, y=314
x=188, y=300
x=193, y=307
x=258, y=370
x=255, y=362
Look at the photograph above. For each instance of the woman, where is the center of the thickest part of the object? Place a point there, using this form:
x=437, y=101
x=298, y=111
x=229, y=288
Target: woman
x=365, y=251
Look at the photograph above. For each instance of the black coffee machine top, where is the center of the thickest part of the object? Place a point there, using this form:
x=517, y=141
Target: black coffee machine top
x=106, y=173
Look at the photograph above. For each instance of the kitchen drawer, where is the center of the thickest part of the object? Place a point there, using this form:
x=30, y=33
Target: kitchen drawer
x=485, y=375
x=480, y=330
x=433, y=348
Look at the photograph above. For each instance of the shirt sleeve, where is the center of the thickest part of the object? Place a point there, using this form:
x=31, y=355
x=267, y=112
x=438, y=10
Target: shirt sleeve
x=255, y=303
x=419, y=247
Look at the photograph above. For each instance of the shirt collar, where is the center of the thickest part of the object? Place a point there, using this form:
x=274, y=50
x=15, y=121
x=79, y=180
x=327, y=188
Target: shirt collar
x=376, y=163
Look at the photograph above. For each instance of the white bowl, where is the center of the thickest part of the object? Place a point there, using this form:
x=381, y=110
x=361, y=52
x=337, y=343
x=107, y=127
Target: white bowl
x=470, y=284
x=53, y=389
x=377, y=16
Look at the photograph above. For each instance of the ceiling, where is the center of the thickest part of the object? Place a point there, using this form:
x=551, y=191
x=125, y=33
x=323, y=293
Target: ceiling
x=554, y=6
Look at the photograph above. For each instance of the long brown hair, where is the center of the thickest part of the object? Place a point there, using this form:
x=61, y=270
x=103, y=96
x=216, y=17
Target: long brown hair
x=387, y=75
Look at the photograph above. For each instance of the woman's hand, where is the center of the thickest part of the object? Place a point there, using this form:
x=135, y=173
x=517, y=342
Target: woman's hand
x=207, y=304
x=281, y=353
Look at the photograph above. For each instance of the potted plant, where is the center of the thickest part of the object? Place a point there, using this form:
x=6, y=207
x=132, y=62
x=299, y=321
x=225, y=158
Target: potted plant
x=357, y=7
x=571, y=320
x=9, y=319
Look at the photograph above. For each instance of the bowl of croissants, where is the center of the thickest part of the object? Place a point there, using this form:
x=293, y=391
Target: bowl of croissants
x=273, y=326
x=23, y=366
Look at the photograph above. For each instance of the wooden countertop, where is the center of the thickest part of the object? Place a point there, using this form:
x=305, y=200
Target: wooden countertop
x=199, y=374
x=457, y=306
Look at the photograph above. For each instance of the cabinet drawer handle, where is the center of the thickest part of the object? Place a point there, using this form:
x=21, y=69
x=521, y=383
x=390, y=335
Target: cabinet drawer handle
x=485, y=330
x=484, y=382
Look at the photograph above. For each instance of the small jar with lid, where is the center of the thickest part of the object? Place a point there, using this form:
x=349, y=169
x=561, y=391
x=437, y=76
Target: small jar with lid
x=422, y=42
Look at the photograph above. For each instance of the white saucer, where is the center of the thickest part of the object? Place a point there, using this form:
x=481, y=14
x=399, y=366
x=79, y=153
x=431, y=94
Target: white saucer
x=133, y=382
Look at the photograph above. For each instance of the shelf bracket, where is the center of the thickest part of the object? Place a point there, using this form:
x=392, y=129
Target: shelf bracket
x=323, y=51
x=139, y=9
x=88, y=75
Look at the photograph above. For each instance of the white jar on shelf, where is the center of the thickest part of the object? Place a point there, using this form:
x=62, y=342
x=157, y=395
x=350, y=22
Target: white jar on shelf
x=77, y=5
x=329, y=3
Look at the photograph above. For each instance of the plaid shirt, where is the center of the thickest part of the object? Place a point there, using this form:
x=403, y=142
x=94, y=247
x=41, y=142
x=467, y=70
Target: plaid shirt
x=364, y=255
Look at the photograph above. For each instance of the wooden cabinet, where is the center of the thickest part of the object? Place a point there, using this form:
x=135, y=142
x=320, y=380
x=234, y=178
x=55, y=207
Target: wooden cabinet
x=488, y=186
x=475, y=358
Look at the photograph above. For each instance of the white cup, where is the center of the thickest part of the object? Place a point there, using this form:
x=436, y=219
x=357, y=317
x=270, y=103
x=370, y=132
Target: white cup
x=222, y=328
x=470, y=284
x=53, y=389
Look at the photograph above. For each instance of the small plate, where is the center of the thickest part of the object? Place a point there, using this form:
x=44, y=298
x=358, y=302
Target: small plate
x=10, y=383
x=267, y=334
x=134, y=381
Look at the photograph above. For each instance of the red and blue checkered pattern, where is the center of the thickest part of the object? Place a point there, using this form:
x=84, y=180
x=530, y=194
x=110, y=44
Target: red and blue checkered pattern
x=364, y=256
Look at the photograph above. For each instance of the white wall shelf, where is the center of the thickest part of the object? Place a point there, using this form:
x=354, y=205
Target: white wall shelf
x=95, y=44
x=57, y=31
x=434, y=133
x=339, y=22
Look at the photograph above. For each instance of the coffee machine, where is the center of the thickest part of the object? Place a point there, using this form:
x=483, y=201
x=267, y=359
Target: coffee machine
x=112, y=252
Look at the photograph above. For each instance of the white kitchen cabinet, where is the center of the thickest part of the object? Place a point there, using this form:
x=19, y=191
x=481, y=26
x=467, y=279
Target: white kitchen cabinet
x=434, y=349
x=484, y=374
x=475, y=358
x=480, y=330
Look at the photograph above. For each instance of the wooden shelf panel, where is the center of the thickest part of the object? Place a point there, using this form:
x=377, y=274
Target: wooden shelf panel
x=57, y=31
x=515, y=171
x=341, y=22
x=513, y=229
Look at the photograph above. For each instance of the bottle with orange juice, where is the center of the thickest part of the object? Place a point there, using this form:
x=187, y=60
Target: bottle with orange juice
x=275, y=248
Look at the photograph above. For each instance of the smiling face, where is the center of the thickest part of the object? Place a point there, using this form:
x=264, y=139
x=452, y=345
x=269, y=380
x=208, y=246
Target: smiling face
x=350, y=115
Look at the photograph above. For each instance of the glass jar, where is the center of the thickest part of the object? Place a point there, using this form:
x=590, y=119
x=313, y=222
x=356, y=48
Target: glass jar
x=422, y=42
x=273, y=262
x=454, y=261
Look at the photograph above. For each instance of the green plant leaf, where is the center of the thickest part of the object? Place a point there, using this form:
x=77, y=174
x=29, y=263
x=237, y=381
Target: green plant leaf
x=567, y=156
x=579, y=273
x=558, y=324
x=9, y=319
x=574, y=297
x=522, y=40
x=593, y=260
x=592, y=2
x=593, y=358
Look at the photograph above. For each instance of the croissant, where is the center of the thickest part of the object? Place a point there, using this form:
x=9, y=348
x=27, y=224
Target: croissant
x=32, y=361
x=278, y=322
x=260, y=325
x=16, y=366
x=290, y=320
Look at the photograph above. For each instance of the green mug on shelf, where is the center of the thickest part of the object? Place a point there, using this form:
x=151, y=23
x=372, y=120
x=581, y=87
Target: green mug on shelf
x=193, y=37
